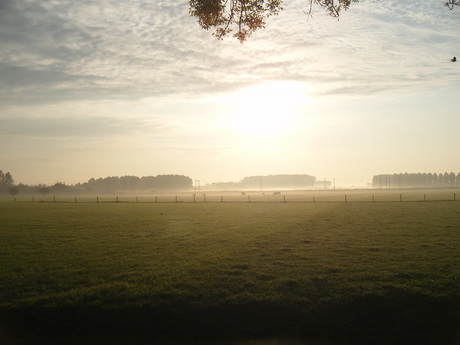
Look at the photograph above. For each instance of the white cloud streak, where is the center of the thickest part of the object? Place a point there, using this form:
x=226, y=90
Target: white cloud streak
x=65, y=50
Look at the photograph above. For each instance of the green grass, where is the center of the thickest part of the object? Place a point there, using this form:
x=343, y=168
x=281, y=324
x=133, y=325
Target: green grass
x=323, y=273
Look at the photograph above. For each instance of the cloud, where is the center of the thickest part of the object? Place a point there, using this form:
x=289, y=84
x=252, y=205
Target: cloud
x=67, y=50
x=76, y=127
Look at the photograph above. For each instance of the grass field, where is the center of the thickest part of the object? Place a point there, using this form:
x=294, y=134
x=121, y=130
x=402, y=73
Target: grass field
x=230, y=273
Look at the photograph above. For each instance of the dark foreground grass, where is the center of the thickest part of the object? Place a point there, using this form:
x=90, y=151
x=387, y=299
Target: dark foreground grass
x=364, y=273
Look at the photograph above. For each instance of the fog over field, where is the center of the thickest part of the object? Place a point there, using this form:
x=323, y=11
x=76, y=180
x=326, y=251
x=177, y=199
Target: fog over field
x=95, y=89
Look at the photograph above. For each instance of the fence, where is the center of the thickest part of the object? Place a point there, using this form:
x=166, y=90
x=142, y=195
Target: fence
x=246, y=197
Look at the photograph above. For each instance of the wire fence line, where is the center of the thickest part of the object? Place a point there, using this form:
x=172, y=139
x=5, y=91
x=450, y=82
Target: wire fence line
x=244, y=197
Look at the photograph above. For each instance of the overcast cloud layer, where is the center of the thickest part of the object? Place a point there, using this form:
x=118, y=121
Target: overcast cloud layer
x=145, y=72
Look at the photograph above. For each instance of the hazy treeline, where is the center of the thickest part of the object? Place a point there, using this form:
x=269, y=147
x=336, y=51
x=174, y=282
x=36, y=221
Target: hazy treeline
x=135, y=183
x=268, y=182
x=416, y=180
x=112, y=184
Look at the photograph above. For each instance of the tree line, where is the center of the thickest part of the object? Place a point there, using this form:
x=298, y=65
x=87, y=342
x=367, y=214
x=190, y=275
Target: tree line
x=278, y=181
x=416, y=180
x=135, y=183
x=113, y=184
x=286, y=181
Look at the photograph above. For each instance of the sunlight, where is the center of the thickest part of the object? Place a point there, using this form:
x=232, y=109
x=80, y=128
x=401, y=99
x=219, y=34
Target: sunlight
x=267, y=109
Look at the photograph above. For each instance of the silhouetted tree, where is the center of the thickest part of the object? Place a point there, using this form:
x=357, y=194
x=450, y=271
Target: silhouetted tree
x=451, y=3
x=246, y=16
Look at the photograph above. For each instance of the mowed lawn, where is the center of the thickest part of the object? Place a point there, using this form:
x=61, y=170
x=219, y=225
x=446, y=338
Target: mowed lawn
x=217, y=273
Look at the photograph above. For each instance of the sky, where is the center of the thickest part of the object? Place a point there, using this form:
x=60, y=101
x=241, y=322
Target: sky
x=92, y=89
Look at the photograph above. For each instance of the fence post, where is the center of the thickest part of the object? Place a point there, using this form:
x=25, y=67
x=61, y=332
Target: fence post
x=176, y=198
x=117, y=198
x=54, y=198
x=137, y=200
x=156, y=199
x=221, y=198
x=313, y=199
x=97, y=199
x=455, y=197
x=345, y=198
x=33, y=199
x=249, y=198
x=75, y=199
x=424, y=197
x=284, y=198
x=400, y=197
x=373, y=198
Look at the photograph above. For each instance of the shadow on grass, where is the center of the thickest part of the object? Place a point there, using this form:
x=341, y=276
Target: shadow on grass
x=396, y=319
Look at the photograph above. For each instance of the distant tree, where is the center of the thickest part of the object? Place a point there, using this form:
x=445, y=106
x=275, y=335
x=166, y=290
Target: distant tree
x=13, y=191
x=173, y=182
x=129, y=183
x=148, y=182
x=60, y=187
x=446, y=179
x=452, y=179
x=440, y=179
x=6, y=179
x=429, y=179
x=43, y=190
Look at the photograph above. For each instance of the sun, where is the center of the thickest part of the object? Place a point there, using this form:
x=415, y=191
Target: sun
x=267, y=109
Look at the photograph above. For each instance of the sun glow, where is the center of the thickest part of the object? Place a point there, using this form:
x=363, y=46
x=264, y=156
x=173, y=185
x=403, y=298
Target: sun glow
x=267, y=109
